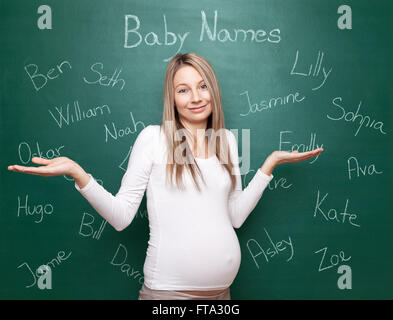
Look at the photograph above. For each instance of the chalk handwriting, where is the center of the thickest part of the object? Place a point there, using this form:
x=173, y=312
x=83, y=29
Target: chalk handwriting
x=300, y=147
x=273, y=185
x=312, y=72
x=86, y=229
x=123, y=165
x=334, y=260
x=271, y=103
x=275, y=248
x=332, y=214
x=278, y=183
x=105, y=80
x=68, y=116
x=119, y=260
x=25, y=152
x=115, y=133
x=142, y=213
x=60, y=257
x=355, y=117
x=224, y=34
x=37, y=210
x=40, y=80
x=134, y=37
x=353, y=165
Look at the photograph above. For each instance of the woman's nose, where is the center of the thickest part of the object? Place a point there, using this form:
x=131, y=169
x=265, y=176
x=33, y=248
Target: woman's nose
x=195, y=96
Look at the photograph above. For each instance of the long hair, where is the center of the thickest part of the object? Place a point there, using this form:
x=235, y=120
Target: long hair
x=176, y=134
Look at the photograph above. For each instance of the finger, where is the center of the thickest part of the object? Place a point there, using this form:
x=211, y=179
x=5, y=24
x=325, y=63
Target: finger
x=303, y=156
x=312, y=152
x=15, y=167
x=41, y=160
x=299, y=155
x=30, y=170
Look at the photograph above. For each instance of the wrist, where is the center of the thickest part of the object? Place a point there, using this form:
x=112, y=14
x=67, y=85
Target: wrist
x=269, y=165
x=76, y=170
x=80, y=176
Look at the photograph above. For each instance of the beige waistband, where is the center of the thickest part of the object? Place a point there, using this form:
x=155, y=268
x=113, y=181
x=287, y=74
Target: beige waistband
x=149, y=294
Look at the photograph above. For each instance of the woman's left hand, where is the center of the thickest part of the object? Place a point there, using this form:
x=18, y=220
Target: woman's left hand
x=294, y=156
x=279, y=157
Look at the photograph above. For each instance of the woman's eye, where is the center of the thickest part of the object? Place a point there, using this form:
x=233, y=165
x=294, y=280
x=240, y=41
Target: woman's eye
x=203, y=86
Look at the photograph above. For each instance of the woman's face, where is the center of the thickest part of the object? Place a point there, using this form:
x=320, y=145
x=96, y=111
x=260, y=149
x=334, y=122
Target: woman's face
x=192, y=97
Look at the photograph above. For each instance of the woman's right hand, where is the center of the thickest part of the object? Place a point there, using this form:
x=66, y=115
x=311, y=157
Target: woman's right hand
x=50, y=167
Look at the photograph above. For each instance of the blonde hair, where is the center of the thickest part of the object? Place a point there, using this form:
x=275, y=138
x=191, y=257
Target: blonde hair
x=172, y=126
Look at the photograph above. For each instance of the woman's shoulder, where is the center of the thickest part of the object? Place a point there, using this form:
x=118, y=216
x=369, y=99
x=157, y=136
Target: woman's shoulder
x=147, y=137
x=152, y=135
x=149, y=131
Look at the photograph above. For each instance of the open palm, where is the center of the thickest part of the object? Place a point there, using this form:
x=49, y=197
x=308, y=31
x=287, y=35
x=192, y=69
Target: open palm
x=50, y=167
x=295, y=156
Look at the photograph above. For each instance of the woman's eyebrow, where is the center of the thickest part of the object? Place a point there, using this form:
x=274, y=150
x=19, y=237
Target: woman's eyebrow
x=185, y=84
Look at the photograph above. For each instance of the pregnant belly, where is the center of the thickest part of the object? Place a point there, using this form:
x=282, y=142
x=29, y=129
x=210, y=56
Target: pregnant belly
x=202, y=258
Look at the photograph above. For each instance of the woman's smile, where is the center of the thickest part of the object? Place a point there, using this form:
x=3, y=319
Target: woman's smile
x=198, y=109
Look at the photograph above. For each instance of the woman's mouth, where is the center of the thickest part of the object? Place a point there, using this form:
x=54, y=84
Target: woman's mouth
x=198, y=109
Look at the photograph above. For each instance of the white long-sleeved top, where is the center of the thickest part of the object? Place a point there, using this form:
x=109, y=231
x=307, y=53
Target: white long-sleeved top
x=192, y=244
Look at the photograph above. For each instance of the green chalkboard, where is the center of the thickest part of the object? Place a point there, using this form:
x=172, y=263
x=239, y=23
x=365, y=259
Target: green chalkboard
x=297, y=74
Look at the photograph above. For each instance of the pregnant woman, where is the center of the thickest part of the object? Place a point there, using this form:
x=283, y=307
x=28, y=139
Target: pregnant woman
x=189, y=168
